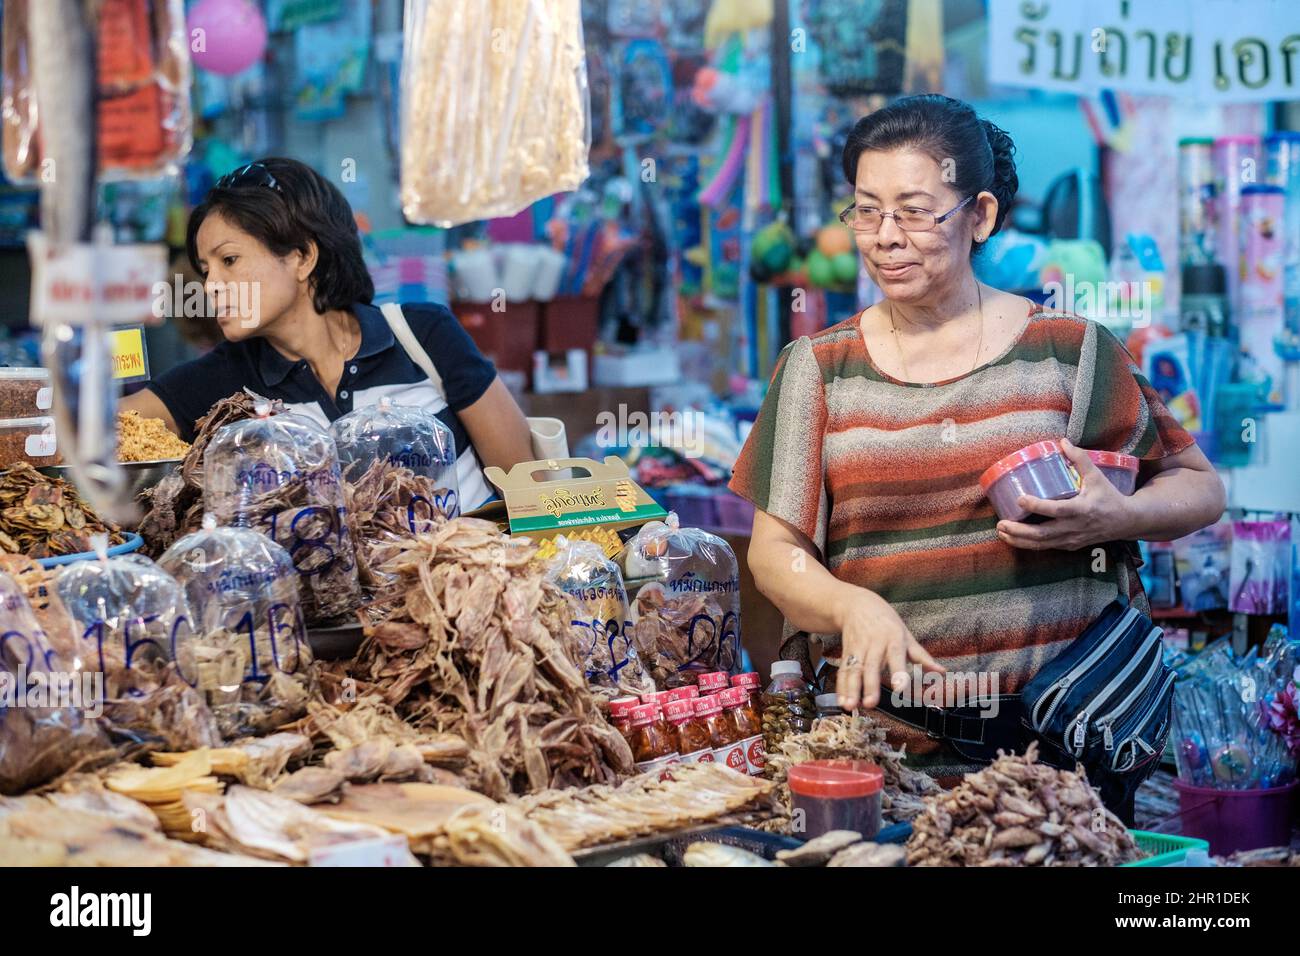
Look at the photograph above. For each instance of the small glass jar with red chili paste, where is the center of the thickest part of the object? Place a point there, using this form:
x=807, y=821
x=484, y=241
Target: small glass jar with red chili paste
x=620, y=715
x=653, y=747
x=689, y=692
x=722, y=734
x=747, y=727
x=687, y=732
x=713, y=682
x=753, y=685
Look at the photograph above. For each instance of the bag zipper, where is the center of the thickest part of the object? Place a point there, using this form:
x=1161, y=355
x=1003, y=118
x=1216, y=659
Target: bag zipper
x=1160, y=693
x=1108, y=719
x=1081, y=720
x=1064, y=681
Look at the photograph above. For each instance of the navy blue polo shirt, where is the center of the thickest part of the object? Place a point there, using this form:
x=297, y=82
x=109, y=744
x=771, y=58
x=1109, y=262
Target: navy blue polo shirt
x=380, y=369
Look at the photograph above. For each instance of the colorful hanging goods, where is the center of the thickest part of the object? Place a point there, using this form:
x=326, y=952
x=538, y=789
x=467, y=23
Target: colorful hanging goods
x=1260, y=567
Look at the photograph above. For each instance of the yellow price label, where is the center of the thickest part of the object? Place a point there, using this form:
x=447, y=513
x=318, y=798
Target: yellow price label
x=130, y=360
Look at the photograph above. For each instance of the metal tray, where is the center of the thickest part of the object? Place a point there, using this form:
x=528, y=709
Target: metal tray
x=670, y=847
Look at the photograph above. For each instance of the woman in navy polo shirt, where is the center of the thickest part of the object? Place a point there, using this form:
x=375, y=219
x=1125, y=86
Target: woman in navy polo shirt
x=278, y=249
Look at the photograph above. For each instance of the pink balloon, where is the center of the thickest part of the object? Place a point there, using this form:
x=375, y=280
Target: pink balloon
x=233, y=35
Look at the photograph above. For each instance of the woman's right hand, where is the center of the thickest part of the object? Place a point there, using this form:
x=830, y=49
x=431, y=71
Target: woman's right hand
x=874, y=639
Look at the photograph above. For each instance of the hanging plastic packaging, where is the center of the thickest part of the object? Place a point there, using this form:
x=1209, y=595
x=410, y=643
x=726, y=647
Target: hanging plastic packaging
x=132, y=618
x=279, y=474
x=143, y=59
x=251, y=656
x=610, y=660
x=1261, y=556
x=47, y=703
x=686, y=619
x=495, y=107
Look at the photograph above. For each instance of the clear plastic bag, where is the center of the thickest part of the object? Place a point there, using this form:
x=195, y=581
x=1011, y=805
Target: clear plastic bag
x=143, y=55
x=686, y=618
x=250, y=656
x=47, y=703
x=610, y=661
x=132, y=618
x=279, y=474
x=495, y=107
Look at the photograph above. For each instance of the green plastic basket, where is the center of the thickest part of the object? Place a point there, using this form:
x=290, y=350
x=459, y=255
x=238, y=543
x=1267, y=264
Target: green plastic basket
x=1166, y=849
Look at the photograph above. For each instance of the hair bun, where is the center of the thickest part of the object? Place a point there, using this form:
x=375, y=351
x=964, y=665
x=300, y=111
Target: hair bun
x=1005, y=182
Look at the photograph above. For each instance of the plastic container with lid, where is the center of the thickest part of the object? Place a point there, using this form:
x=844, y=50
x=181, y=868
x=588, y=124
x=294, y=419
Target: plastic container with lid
x=828, y=705
x=714, y=682
x=788, y=704
x=747, y=726
x=243, y=590
x=279, y=474
x=694, y=740
x=25, y=393
x=689, y=692
x=403, y=436
x=727, y=748
x=1040, y=469
x=1122, y=470
x=679, y=713
x=32, y=440
x=830, y=795
x=753, y=685
x=653, y=746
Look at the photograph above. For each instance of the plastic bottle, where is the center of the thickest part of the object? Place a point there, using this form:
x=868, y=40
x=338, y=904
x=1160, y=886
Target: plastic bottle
x=714, y=682
x=652, y=746
x=722, y=733
x=789, y=706
x=747, y=726
x=694, y=739
x=753, y=685
x=620, y=715
x=689, y=692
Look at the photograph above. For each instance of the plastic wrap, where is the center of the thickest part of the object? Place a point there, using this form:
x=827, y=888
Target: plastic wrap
x=144, y=91
x=132, y=618
x=47, y=703
x=686, y=619
x=1261, y=552
x=251, y=658
x=279, y=474
x=495, y=107
x=610, y=661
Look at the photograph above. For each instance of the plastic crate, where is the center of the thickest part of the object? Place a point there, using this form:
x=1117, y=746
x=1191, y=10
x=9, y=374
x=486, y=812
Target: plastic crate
x=1167, y=849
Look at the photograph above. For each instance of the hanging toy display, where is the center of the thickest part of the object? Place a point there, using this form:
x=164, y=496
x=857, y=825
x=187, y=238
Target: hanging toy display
x=229, y=35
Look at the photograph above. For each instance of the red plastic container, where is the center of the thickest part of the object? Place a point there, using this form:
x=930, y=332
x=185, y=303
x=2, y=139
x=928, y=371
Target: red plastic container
x=836, y=795
x=1122, y=470
x=1233, y=820
x=714, y=681
x=1040, y=469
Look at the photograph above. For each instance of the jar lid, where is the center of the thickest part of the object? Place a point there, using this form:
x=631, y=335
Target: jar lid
x=679, y=710
x=689, y=692
x=733, y=696
x=709, y=704
x=786, y=667
x=826, y=700
x=713, y=681
x=1004, y=466
x=836, y=779
x=655, y=697
x=748, y=679
x=1113, y=459
x=623, y=706
x=644, y=715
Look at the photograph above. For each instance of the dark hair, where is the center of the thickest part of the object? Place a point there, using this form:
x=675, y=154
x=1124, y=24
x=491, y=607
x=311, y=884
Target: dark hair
x=982, y=154
x=294, y=206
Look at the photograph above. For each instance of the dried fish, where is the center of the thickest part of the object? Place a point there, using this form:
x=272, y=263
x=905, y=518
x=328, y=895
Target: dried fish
x=1019, y=812
x=483, y=647
x=817, y=851
x=638, y=860
x=44, y=517
x=720, y=854
x=309, y=785
x=870, y=854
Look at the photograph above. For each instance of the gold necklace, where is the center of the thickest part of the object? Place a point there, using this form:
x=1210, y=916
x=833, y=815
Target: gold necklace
x=907, y=376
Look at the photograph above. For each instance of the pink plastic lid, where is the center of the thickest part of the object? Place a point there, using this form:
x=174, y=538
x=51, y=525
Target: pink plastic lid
x=622, y=707
x=689, y=692
x=1114, y=459
x=1002, y=467
x=659, y=697
x=714, y=681
x=679, y=710
x=746, y=680
x=836, y=779
x=709, y=704
x=644, y=715
x=1241, y=138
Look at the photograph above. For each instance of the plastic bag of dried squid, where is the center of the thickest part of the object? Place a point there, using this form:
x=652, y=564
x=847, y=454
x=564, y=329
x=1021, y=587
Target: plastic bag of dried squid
x=686, y=613
x=609, y=659
x=279, y=474
x=399, y=473
x=133, y=619
x=250, y=654
x=47, y=703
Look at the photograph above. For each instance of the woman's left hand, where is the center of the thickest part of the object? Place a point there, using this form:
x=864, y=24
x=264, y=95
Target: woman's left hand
x=1098, y=513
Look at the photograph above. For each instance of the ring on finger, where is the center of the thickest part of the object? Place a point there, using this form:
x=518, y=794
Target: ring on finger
x=852, y=661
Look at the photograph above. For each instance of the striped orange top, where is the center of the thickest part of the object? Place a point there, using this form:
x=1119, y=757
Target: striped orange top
x=883, y=476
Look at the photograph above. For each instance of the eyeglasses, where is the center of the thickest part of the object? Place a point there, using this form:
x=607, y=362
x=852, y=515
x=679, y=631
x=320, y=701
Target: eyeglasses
x=254, y=174
x=908, y=218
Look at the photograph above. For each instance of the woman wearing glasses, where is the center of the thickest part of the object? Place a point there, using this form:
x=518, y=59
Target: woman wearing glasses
x=872, y=530
x=278, y=248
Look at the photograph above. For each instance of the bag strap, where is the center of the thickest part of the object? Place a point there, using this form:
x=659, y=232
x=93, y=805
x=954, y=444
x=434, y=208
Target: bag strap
x=410, y=344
